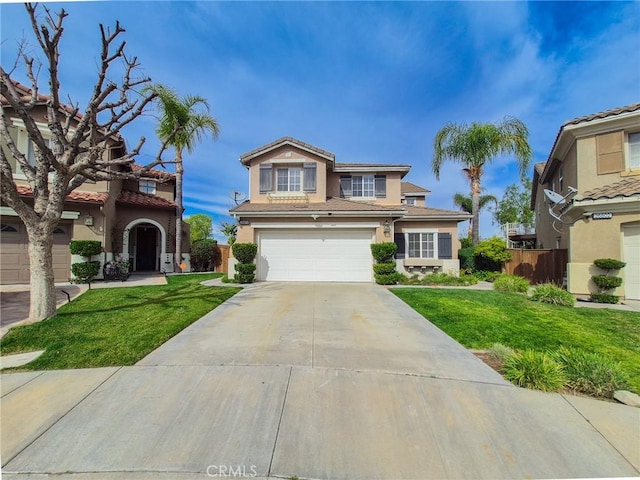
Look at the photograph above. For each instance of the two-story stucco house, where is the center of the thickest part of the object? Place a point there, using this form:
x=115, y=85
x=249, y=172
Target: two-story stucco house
x=133, y=219
x=314, y=219
x=599, y=156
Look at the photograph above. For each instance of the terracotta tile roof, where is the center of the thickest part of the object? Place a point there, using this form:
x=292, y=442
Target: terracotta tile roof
x=627, y=187
x=27, y=93
x=605, y=114
x=153, y=172
x=331, y=205
x=408, y=187
x=128, y=197
x=81, y=196
x=283, y=141
x=413, y=211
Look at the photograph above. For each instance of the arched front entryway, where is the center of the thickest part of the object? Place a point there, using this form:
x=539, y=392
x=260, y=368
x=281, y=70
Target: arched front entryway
x=144, y=244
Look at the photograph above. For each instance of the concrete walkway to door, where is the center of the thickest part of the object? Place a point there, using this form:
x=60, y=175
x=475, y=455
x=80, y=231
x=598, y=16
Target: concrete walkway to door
x=319, y=381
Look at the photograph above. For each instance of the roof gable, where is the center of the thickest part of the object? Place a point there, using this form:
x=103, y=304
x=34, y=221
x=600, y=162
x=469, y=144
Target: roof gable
x=282, y=142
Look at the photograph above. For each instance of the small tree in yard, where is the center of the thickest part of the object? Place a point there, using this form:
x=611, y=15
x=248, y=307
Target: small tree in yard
x=385, y=267
x=85, y=272
x=491, y=254
x=205, y=255
x=245, y=268
x=606, y=282
x=79, y=146
x=201, y=226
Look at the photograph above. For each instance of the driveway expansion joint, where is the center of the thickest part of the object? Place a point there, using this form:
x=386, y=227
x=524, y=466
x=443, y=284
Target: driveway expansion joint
x=284, y=402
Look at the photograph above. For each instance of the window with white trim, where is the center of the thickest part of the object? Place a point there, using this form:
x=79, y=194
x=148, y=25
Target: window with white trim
x=363, y=186
x=288, y=179
x=32, y=149
x=410, y=200
x=147, y=186
x=421, y=245
x=634, y=150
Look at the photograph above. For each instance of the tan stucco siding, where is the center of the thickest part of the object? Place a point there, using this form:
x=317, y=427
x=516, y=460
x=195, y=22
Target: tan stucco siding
x=125, y=215
x=283, y=157
x=441, y=226
x=588, y=176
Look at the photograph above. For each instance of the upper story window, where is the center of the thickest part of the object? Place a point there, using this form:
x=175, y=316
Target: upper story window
x=634, y=150
x=363, y=186
x=32, y=149
x=410, y=201
x=147, y=186
x=289, y=179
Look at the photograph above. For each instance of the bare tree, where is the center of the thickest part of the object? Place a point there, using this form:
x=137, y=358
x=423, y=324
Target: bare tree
x=79, y=145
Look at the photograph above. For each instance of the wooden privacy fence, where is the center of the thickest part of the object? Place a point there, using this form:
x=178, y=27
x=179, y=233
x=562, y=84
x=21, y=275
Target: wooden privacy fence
x=538, y=266
x=224, y=250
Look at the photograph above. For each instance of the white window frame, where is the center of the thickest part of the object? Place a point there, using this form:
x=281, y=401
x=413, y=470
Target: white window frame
x=433, y=232
x=143, y=186
x=289, y=169
x=410, y=200
x=365, y=191
x=629, y=166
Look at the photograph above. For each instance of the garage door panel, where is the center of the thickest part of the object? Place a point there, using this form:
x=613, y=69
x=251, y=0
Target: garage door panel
x=322, y=255
x=631, y=241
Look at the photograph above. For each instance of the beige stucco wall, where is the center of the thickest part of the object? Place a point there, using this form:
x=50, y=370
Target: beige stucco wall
x=596, y=239
x=297, y=157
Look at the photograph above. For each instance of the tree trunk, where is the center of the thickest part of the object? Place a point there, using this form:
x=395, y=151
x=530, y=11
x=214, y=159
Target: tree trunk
x=43, y=291
x=179, y=174
x=475, y=209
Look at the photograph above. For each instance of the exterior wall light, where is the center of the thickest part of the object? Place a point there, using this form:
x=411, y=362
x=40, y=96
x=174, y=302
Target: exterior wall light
x=387, y=227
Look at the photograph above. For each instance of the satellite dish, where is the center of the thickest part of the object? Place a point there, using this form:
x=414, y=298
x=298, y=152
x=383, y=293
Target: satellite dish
x=554, y=197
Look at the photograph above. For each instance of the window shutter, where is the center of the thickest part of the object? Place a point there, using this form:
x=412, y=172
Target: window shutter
x=345, y=186
x=381, y=186
x=444, y=246
x=399, y=239
x=266, y=177
x=610, y=152
x=310, y=176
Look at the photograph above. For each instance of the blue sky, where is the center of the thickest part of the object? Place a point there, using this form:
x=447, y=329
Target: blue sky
x=368, y=81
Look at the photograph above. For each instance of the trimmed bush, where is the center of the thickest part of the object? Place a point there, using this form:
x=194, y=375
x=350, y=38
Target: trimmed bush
x=244, y=277
x=85, y=248
x=606, y=282
x=609, y=264
x=535, y=370
x=383, y=252
x=244, y=252
x=511, y=283
x=384, y=268
x=205, y=255
x=85, y=272
x=486, y=275
x=491, y=254
x=552, y=294
x=465, y=255
x=448, y=280
x=591, y=373
x=604, y=298
x=387, y=278
x=245, y=268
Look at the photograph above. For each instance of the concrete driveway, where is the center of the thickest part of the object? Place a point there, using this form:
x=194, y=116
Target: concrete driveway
x=321, y=381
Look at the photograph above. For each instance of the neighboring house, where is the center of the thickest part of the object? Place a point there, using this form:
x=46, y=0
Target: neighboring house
x=599, y=156
x=314, y=219
x=133, y=219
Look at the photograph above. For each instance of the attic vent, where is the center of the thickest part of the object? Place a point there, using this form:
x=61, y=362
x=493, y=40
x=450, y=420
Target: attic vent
x=287, y=153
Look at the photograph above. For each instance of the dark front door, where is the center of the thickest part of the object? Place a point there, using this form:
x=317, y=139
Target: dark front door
x=146, y=241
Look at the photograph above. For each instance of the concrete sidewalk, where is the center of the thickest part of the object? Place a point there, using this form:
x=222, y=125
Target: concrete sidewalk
x=314, y=381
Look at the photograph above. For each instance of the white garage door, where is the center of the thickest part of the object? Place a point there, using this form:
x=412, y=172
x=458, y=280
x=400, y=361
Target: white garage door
x=632, y=258
x=315, y=255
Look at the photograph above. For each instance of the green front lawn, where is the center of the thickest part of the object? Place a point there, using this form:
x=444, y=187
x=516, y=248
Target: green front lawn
x=116, y=326
x=478, y=319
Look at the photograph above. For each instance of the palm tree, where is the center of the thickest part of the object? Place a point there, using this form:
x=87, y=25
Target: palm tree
x=182, y=127
x=230, y=231
x=465, y=203
x=477, y=144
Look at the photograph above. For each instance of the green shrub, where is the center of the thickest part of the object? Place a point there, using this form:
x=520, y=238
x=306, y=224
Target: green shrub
x=609, y=264
x=244, y=277
x=466, y=242
x=85, y=248
x=205, y=255
x=465, y=255
x=384, y=268
x=511, y=283
x=85, y=272
x=606, y=282
x=448, y=280
x=501, y=352
x=388, y=278
x=536, y=370
x=486, y=275
x=552, y=294
x=491, y=254
x=604, y=298
x=245, y=268
x=244, y=252
x=591, y=373
x=384, y=252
